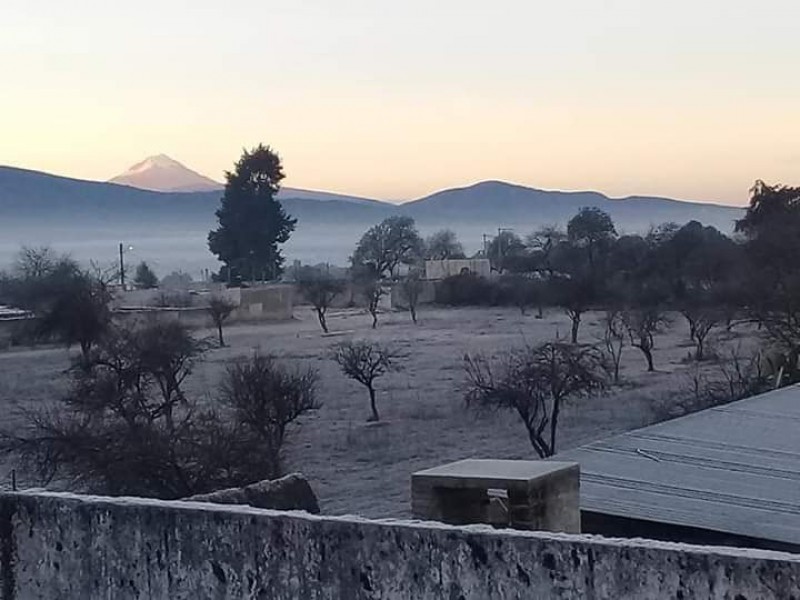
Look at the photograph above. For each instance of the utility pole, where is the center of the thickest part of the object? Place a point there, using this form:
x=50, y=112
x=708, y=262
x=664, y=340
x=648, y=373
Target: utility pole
x=121, y=266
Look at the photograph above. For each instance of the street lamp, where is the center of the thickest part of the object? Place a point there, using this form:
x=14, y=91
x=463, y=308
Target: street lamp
x=122, y=251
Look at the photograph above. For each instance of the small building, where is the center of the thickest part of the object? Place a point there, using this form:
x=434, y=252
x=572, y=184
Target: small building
x=728, y=475
x=436, y=270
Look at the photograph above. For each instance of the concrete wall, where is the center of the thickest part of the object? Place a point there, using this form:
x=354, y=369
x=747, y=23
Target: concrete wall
x=269, y=302
x=441, y=269
x=272, y=302
x=63, y=546
x=191, y=317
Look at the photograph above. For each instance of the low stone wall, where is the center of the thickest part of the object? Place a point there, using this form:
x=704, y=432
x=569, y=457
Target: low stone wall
x=64, y=546
x=273, y=302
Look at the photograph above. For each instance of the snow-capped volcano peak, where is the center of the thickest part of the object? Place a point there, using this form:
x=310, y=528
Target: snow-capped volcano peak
x=164, y=174
x=159, y=161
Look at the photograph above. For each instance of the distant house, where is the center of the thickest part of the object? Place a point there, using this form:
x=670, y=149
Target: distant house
x=728, y=475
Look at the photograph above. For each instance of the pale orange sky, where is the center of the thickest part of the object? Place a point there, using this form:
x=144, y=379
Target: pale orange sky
x=396, y=100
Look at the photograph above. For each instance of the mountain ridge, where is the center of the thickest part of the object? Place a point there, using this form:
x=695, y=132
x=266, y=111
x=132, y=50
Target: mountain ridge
x=489, y=201
x=72, y=214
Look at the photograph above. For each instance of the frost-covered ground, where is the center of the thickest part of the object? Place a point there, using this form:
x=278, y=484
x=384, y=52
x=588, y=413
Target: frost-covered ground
x=365, y=468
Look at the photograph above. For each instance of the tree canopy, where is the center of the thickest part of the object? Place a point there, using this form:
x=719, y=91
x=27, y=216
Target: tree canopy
x=70, y=304
x=145, y=278
x=385, y=246
x=592, y=229
x=252, y=222
x=443, y=245
x=504, y=249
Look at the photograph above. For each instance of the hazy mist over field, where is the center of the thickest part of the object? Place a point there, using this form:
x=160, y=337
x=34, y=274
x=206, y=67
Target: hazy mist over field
x=168, y=249
x=168, y=226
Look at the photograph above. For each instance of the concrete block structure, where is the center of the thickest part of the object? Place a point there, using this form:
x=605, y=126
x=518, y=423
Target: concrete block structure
x=534, y=495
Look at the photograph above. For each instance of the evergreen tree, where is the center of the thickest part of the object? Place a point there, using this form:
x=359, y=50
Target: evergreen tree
x=252, y=223
x=145, y=279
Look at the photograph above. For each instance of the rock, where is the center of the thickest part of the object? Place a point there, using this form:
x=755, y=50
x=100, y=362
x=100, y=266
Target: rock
x=292, y=492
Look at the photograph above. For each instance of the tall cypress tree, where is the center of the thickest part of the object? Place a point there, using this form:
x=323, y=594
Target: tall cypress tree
x=252, y=223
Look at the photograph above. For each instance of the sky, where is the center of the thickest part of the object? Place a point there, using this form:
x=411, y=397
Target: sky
x=394, y=100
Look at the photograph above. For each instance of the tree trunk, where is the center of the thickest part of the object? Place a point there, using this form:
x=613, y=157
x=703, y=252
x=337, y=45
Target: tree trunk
x=540, y=312
x=374, y=314
x=86, y=348
x=554, y=426
x=413, y=310
x=648, y=354
x=537, y=444
x=219, y=331
x=576, y=322
x=699, y=354
x=373, y=406
x=322, y=321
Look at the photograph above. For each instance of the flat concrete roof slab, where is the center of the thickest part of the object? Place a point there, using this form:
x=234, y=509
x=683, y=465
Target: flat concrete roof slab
x=488, y=473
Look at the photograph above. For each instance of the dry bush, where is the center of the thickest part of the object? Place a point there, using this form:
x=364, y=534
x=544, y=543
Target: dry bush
x=735, y=377
x=127, y=428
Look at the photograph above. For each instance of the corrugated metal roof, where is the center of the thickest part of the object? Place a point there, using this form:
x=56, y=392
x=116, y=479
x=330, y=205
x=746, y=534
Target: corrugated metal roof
x=734, y=468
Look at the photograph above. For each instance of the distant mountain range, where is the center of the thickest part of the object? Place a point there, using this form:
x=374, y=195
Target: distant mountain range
x=162, y=173
x=40, y=208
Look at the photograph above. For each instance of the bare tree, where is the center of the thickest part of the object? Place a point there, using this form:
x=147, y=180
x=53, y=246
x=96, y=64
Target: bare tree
x=127, y=427
x=642, y=324
x=365, y=362
x=320, y=290
x=373, y=291
x=535, y=382
x=702, y=320
x=613, y=339
x=35, y=263
x=219, y=309
x=412, y=287
x=575, y=295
